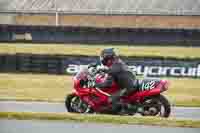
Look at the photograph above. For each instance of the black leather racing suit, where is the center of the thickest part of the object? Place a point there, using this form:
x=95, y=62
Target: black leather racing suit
x=122, y=75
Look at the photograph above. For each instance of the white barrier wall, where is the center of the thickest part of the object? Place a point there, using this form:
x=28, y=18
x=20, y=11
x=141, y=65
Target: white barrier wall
x=163, y=7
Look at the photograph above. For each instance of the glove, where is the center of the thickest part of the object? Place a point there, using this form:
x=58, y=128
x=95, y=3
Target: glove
x=94, y=64
x=102, y=68
x=91, y=84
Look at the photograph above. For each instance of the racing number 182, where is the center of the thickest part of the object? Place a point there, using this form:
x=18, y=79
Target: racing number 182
x=148, y=86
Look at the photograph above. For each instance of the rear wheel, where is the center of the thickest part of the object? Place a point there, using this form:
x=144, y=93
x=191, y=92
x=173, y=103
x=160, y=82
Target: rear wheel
x=156, y=106
x=74, y=104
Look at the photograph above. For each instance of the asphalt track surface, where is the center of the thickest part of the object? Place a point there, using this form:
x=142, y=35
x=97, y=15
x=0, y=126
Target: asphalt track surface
x=36, y=126
x=12, y=106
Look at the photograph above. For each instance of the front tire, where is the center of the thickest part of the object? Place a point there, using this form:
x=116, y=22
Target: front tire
x=68, y=100
x=74, y=104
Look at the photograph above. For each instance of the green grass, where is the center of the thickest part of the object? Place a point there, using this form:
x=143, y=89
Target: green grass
x=102, y=119
x=94, y=50
x=42, y=87
x=34, y=87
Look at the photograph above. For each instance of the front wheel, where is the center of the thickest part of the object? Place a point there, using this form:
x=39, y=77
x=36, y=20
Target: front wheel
x=156, y=106
x=74, y=104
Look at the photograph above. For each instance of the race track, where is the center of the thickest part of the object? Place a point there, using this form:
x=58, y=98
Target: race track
x=36, y=126
x=11, y=106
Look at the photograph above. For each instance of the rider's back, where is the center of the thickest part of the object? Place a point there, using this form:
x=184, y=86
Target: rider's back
x=122, y=75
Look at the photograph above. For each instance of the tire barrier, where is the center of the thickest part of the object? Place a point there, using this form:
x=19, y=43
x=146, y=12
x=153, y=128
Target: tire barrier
x=91, y=35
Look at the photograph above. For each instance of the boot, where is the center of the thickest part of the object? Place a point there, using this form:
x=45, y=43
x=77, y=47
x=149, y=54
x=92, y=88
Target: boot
x=115, y=100
x=116, y=105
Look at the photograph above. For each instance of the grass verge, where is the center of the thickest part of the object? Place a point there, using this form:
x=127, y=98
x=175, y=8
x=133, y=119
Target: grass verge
x=54, y=88
x=94, y=50
x=155, y=121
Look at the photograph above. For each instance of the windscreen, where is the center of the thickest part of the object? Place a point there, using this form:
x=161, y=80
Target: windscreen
x=82, y=74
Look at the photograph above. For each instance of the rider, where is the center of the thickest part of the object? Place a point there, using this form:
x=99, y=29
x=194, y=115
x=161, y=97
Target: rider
x=119, y=72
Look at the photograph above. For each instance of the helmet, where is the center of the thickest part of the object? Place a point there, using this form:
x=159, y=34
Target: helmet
x=107, y=56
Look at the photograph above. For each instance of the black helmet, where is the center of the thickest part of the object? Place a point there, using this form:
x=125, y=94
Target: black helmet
x=107, y=54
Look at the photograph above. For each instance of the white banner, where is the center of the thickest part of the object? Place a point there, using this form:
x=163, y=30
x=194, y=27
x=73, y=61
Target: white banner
x=155, y=71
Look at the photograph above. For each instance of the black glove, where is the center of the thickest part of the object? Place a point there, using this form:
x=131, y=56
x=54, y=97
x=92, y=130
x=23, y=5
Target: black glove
x=94, y=64
x=102, y=69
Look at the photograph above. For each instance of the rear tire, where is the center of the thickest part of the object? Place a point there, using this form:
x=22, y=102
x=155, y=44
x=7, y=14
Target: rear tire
x=161, y=101
x=166, y=105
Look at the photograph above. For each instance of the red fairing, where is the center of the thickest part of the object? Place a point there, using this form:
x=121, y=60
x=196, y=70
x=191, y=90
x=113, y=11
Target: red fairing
x=165, y=84
x=76, y=83
x=140, y=95
x=100, y=78
x=112, y=89
x=97, y=98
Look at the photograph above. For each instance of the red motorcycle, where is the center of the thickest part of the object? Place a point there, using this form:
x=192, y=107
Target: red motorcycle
x=147, y=101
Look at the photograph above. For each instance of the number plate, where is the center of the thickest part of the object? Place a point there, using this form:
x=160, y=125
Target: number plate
x=147, y=85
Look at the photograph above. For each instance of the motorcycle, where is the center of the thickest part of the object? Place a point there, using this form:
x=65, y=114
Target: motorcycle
x=147, y=101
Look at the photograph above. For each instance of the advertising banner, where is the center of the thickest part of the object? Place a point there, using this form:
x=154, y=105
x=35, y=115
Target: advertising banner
x=62, y=64
x=143, y=66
